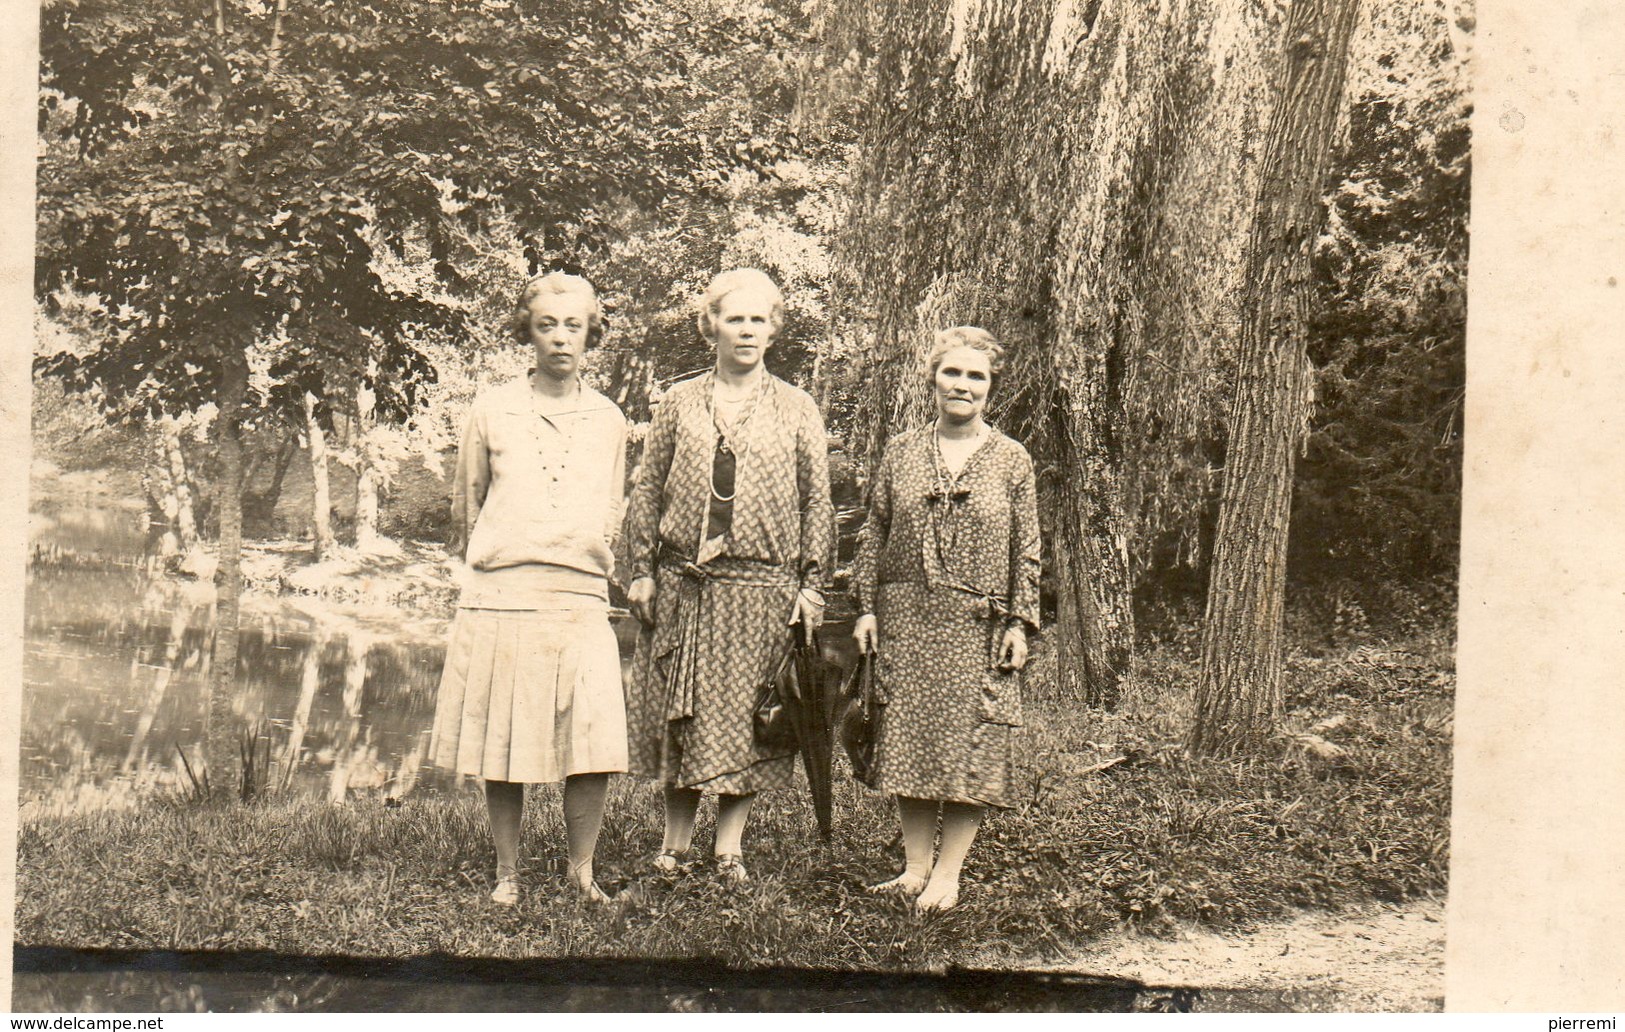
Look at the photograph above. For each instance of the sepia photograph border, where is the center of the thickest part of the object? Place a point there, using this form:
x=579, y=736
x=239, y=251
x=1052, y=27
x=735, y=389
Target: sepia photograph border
x=1536, y=900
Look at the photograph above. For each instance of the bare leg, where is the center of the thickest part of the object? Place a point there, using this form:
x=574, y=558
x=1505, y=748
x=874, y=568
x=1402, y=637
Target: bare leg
x=583, y=818
x=919, y=820
x=732, y=813
x=960, y=822
x=682, y=805
x=504, y=802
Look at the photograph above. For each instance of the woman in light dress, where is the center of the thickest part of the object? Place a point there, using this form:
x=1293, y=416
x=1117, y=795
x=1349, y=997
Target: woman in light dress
x=531, y=690
x=947, y=582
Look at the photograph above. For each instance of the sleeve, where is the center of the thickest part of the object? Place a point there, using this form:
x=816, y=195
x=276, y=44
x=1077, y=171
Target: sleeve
x=876, y=527
x=1025, y=545
x=470, y=482
x=817, y=511
x=643, y=509
x=616, y=509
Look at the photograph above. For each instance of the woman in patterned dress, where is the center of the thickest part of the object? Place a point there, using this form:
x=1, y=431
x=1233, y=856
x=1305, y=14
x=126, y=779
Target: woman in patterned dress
x=730, y=530
x=947, y=581
x=531, y=689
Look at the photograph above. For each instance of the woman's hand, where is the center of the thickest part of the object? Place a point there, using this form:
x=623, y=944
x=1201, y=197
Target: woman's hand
x=1013, y=650
x=867, y=633
x=641, y=597
x=808, y=612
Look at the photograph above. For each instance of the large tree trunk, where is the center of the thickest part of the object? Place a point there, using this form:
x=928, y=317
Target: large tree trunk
x=1239, y=693
x=1094, y=632
x=321, y=514
x=220, y=723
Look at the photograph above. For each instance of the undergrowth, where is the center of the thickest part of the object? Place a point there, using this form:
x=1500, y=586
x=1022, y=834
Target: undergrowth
x=1116, y=826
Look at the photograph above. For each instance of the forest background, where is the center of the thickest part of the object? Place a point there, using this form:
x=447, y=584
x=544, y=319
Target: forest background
x=684, y=140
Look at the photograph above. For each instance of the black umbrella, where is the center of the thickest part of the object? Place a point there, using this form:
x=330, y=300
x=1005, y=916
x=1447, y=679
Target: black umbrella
x=811, y=705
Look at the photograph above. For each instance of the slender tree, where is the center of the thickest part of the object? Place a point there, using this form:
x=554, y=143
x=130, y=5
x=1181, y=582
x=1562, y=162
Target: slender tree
x=1239, y=694
x=321, y=516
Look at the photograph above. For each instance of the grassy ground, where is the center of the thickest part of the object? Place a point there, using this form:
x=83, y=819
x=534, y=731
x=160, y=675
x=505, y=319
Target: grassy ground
x=1117, y=827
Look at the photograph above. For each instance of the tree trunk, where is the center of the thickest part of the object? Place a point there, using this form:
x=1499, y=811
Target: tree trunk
x=366, y=474
x=321, y=497
x=284, y=460
x=220, y=722
x=161, y=493
x=1094, y=632
x=1239, y=694
x=185, y=518
x=366, y=504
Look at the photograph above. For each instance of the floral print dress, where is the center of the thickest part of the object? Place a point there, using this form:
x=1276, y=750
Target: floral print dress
x=946, y=564
x=722, y=601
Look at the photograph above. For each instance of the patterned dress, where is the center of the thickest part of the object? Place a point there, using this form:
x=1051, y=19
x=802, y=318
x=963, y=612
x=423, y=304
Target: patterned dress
x=722, y=601
x=946, y=564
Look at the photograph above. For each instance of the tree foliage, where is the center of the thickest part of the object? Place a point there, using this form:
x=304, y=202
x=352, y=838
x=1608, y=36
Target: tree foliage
x=1379, y=486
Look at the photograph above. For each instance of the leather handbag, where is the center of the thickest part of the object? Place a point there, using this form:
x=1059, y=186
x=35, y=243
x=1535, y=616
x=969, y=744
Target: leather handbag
x=860, y=724
x=773, y=726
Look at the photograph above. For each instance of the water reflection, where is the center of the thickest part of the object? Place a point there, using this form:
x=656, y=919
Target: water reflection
x=116, y=670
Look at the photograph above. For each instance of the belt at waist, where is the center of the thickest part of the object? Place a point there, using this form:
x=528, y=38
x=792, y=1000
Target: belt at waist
x=727, y=570
x=994, y=606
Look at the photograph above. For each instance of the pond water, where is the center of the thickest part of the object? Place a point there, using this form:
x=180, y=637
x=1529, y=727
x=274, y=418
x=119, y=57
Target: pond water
x=117, y=663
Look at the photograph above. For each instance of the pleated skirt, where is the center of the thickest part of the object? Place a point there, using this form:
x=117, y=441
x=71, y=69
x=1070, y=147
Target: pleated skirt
x=530, y=696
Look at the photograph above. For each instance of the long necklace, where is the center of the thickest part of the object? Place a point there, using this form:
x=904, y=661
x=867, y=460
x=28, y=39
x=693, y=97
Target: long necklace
x=536, y=400
x=544, y=419
x=725, y=435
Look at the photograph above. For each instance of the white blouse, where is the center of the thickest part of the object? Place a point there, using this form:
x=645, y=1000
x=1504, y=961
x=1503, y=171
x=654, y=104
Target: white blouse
x=542, y=492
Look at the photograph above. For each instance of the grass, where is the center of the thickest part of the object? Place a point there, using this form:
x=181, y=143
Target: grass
x=1117, y=827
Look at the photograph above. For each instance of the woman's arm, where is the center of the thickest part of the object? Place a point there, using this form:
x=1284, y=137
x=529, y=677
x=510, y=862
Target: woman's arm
x=817, y=511
x=617, y=483
x=1025, y=545
x=876, y=527
x=866, y=566
x=643, y=509
x=470, y=482
x=615, y=510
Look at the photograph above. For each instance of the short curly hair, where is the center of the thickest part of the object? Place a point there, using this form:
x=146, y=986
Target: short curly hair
x=973, y=337
x=725, y=283
x=556, y=283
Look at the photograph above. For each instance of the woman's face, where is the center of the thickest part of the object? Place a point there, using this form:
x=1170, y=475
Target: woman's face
x=744, y=329
x=963, y=378
x=558, y=331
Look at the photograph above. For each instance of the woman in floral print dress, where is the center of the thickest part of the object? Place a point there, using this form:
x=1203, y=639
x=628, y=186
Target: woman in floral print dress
x=947, y=581
x=730, y=530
